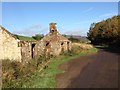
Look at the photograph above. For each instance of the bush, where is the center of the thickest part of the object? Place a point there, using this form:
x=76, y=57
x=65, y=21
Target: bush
x=10, y=72
x=16, y=73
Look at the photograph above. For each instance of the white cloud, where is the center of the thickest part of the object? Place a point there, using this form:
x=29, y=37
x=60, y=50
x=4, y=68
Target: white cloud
x=88, y=10
x=98, y=19
x=108, y=14
x=32, y=30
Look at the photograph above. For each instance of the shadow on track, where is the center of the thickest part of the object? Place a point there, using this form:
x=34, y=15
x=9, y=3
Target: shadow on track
x=112, y=49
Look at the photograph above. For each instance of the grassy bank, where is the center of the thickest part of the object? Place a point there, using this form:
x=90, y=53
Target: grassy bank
x=24, y=38
x=46, y=78
x=38, y=73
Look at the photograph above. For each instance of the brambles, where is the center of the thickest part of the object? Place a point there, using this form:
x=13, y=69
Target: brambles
x=15, y=74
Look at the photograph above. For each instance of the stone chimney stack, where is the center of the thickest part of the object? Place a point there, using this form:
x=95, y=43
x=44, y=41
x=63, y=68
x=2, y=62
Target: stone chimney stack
x=53, y=27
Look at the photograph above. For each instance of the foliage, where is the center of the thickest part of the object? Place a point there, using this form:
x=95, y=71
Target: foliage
x=27, y=75
x=74, y=39
x=79, y=40
x=38, y=36
x=64, y=35
x=105, y=31
x=15, y=74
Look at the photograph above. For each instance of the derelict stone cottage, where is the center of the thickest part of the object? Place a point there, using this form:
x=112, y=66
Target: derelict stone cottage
x=53, y=43
x=14, y=49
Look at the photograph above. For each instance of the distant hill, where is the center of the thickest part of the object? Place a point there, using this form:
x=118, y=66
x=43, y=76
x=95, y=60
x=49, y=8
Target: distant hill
x=73, y=38
x=77, y=38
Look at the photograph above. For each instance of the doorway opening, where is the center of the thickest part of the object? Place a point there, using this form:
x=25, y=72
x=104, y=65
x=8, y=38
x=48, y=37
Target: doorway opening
x=33, y=50
x=47, y=43
x=68, y=46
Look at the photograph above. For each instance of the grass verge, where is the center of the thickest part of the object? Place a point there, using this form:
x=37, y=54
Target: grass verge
x=46, y=77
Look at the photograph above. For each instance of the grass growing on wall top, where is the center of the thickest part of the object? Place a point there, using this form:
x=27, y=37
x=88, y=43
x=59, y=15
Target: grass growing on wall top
x=25, y=38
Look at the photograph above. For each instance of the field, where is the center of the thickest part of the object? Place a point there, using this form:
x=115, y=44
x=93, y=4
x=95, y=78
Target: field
x=24, y=38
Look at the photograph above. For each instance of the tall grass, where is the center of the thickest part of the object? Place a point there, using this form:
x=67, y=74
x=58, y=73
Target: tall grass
x=29, y=75
x=15, y=74
x=46, y=78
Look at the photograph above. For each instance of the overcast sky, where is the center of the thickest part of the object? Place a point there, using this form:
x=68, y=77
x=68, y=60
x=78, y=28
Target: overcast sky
x=29, y=18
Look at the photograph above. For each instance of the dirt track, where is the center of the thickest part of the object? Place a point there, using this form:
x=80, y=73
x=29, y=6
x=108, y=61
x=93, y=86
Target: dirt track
x=99, y=70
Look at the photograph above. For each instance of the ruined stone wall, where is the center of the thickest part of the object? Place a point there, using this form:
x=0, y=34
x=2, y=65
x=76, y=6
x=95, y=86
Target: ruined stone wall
x=65, y=46
x=26, y=51
x=1, y=44
x=55, y=48
x=34, y=49
x=40, y=46
x=70, y=45
x=9, y=46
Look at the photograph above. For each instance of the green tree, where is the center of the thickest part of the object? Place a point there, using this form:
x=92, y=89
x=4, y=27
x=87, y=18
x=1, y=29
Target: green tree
x=38, y=36
x=105, y=31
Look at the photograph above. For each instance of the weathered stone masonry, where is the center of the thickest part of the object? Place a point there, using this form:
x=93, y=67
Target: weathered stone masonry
x=9, y=46
x=14, y=49
x=53, y=43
